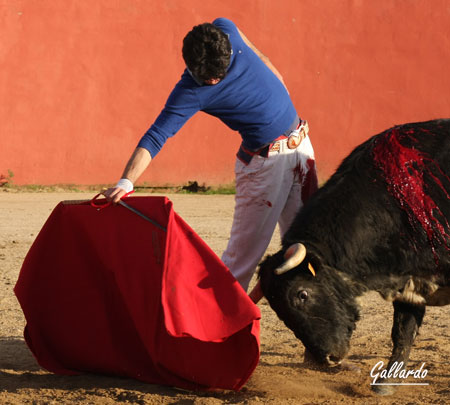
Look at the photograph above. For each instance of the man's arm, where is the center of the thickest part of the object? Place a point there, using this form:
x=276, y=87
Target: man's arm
x=180, y=106
x=139, y=161
x=263, y=57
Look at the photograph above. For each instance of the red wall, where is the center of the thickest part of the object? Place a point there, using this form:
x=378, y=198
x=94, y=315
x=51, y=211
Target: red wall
x=82, y=80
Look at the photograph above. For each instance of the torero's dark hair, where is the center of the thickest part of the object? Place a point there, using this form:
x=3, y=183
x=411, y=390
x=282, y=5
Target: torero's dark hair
x=207, y=52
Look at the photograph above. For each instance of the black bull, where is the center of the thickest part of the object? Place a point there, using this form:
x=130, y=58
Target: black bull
x=381, y=222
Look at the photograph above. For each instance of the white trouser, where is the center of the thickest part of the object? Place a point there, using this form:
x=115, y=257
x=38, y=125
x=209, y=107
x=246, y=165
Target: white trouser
x=268, y=190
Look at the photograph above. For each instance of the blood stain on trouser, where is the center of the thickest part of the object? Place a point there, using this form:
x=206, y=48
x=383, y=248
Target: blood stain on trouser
x=308, y=180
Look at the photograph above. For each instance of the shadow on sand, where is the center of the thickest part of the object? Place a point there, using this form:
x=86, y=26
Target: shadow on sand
x=19, y=370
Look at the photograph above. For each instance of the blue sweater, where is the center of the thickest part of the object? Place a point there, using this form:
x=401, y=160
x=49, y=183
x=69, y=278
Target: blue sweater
x=250, y=100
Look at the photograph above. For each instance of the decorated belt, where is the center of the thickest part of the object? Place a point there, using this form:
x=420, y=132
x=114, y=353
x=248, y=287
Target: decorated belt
x=293, y=139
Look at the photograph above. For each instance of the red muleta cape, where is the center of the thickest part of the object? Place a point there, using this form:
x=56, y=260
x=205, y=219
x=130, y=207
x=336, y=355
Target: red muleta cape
x=105, y=291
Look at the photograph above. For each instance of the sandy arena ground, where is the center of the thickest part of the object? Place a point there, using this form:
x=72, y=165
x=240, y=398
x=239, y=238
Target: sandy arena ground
x=280, y=378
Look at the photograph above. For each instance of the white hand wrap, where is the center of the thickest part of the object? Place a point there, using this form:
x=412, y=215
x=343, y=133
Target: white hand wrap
x=126, y=184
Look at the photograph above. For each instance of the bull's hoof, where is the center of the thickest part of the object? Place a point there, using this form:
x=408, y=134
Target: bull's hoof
x=383, y=389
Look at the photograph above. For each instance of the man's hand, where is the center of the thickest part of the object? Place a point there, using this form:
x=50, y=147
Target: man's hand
x=114, y=194
x=136, y=165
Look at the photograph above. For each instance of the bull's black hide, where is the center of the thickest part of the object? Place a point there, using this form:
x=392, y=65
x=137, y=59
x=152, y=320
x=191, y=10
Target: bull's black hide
x=381, y=222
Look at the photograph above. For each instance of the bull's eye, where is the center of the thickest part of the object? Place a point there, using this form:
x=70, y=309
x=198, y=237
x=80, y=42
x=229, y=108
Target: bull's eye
x=303, y=295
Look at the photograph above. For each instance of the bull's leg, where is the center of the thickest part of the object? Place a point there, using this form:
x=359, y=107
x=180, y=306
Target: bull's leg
x=407, y=320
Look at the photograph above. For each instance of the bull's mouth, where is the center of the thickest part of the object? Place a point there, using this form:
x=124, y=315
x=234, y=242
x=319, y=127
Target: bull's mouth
x=332, y=361
x=324, y=361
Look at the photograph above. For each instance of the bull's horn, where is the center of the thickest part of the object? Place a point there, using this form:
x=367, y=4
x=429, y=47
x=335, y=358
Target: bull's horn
x=293, y=257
